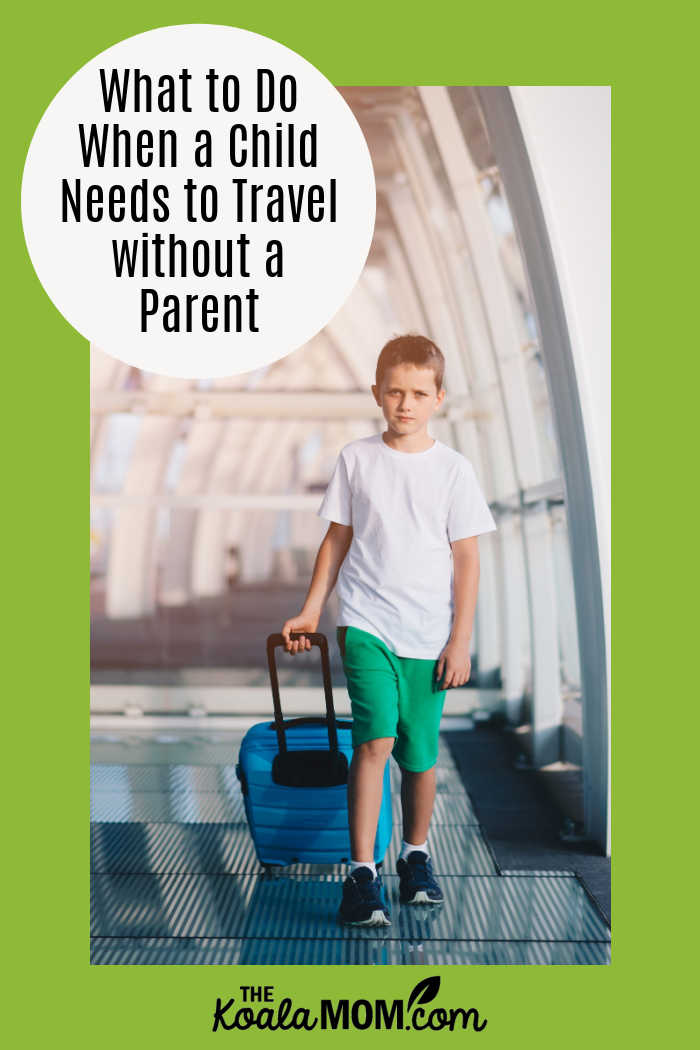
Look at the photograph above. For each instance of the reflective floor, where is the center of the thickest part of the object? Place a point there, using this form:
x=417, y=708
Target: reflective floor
x=175, y=879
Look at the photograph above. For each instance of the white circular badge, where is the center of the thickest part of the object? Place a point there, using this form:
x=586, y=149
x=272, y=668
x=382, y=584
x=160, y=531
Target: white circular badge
x=198, y=201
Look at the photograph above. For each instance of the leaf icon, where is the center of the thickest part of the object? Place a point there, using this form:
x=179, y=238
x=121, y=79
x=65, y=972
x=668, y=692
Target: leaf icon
x=424, y=992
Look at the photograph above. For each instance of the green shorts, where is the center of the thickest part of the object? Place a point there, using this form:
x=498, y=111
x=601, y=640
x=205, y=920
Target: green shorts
x=392, y=696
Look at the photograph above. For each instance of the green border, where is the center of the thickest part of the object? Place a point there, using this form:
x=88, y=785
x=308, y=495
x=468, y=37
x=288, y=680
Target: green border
x=56, y=995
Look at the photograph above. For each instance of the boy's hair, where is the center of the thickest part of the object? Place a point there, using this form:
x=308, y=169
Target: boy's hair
x=411, y=350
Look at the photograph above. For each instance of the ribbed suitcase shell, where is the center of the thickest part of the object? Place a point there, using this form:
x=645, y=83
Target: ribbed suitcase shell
x=309, y=825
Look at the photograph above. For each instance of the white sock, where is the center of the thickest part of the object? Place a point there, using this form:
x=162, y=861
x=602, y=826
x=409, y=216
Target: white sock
x=363, y=864
x=408, y=847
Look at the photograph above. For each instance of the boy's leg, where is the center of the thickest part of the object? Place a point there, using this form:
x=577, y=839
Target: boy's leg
x=372, y=685
x=372, y=676
x=416, y=750
x=417, y=801
x=365, y=783
x=417, y=884
x=363, y=902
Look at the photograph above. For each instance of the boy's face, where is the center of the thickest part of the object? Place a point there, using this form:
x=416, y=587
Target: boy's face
x=408, y=397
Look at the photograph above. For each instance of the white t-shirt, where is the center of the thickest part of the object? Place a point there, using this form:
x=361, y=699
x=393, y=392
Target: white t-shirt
x=405, y=508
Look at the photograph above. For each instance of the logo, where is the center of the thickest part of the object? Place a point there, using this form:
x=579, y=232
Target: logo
x=413, y=1013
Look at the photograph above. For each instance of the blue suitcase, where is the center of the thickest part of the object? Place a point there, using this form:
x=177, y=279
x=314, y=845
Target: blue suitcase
x=293, y=778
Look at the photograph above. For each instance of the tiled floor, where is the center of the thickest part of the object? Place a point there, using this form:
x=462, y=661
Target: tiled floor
x=175, y=878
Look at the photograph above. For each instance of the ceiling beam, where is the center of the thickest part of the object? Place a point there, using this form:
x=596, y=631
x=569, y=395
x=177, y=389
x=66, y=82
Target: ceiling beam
x=269, y=405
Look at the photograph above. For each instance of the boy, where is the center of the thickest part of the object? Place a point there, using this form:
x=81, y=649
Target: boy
x=404, y=511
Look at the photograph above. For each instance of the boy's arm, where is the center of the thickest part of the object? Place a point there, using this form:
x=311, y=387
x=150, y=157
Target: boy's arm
x=330, y=557
x=455, y=660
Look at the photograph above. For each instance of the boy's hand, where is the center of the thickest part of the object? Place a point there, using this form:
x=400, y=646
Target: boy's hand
x=302, y=622
x=455, y=663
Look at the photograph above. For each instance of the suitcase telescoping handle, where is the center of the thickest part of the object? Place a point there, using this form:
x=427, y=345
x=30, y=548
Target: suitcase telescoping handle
x=275, y=641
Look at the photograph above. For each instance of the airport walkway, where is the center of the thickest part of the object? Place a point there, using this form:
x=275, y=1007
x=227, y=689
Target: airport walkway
x=175, y=879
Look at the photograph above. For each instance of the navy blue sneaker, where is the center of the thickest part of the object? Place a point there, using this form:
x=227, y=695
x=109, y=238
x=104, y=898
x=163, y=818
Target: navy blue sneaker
x=417, y=883
x=363, y=902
